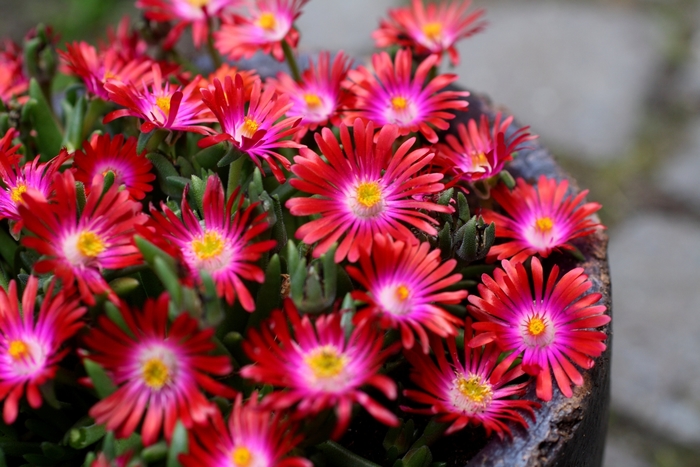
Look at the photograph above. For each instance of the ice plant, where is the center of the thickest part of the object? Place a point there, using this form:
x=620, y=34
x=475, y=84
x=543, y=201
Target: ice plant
x=362, y=189
x=551, y=328
x=319, y=366
x=482, y=148
x=474, y=389
x=13, y=82
x=271, y=22
x=405, y=287
x=432, y=30
x=78, y=246
x=253, y=437
x=159, y=369
x=222, y=245
x=539, y=220
x=254, y=126
x=197, y=13
x=319, y=98
x=31, y=346
x=249, y=77
x=106, y=154
x=161, y=105
x=394, y=95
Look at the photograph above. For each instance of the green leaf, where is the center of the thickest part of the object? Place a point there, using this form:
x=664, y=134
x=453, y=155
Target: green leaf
x=178, y=445
x=84, y=436
x=168, y=276
x=269, y=295
x=155, y=452
x=73, y=139
x=209, y=157
x=507, y=178
x=421, y=457
x=463, y=207
x=150, y=252
x=49, y=137
x=143, y=140
x=338, y=456
x=123, y=286
x=104, y=386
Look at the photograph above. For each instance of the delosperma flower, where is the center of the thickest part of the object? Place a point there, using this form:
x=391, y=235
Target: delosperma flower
x=253, y=125
x=432, y=30
x=78, y=246
x=319, y=366
x=404, y=286
x=362, y=189
x=222, y=245
x=31, y=347
x=253, y=437
x=13, y=82
x=482, y=148
x=319, y=98
x=394, y=95
x=474, y=389
x=106, y=154
x=159, y=369
x=270, y=23
x=550, y=329
x=539, y=220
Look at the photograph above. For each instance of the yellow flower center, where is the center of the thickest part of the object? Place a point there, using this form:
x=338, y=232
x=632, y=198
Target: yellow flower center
x=90, y=244
x=474, y=388
x=399, y=103
x=325, y=362
x=432, y=30
x=544, y=224
x=18, y=350
x=241, y=457
x=536, y=326
x=267, y=21
x=155, y=373
x=16, y=192
x=369, y=194
x=198, y=3
x=209, y=245
x=402, y=292
x=312, y=100
x=250, y=126
x=163, y=104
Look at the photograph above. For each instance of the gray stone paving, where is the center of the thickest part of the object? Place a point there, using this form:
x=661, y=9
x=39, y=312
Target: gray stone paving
x=680, y=175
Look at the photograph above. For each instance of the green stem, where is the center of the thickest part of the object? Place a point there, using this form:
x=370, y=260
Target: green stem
x=338, y=456
x=434, y=431
x=291, y=61
x=215, y=56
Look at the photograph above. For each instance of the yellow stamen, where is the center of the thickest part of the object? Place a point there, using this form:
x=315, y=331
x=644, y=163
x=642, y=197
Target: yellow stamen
x=402, y=292
x=432, y=30
x=399, y=103
x=249, y=128
x=536, y=326
x=198, y=3
x=209, y=245
x=480, y=160
x=544, y=224
x=267, y=21
x=325, y=362
x=369, y=194
x=16, y=192
x=163, y=104
x=90, y=244
x=241, y=457
x=474, y=389
x=312, y=100
x=18, y=350
x=155, y=373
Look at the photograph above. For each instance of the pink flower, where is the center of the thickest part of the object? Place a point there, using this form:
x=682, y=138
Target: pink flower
x=539, y=220
x=393, y=95
x=363, y=188
x=404, y=286
x=434, y=30
x=319, y=366
x=550, y=329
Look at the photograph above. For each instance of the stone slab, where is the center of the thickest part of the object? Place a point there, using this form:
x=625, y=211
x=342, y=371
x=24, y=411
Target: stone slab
x=577, y=73
x=655, y=264
x=680, y=175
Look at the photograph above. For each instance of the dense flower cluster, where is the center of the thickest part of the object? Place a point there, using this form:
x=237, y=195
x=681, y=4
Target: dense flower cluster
x=215, y=266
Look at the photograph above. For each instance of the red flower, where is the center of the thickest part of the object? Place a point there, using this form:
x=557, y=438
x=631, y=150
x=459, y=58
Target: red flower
x=319, y=367
x=13, y=82
x=362, y=189
x=476, y=389
x=550, y=329
x=158, y=370
x=539, y=220
x=396, y=96
x=405, y=289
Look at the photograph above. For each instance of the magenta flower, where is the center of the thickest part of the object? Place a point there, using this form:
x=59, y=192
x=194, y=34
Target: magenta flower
x=550, y=329
x=404, y=286
x=319, y=367
x=362, y=189
x=539, y=220
x=30, y=348
x=393, y=95
x=476, y=389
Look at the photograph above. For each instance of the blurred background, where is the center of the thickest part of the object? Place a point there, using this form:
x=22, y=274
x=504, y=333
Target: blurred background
x=613, y=89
